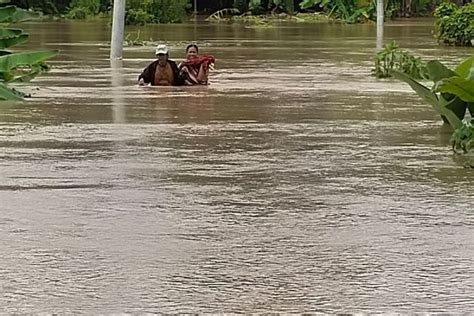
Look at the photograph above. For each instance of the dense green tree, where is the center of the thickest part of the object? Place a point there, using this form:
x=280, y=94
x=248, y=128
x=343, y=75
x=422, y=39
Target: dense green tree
x=174, y=10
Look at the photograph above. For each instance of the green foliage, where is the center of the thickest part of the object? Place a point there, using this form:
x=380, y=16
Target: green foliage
x=462, y=87
x=455, y=25
x=82, y=9
x=156, y=11
x=463, y=138
x=44, y=6
x=11, y=14
x=256, y=6
x=78, y=13
x=452, y=92
x=241, y=5
x=446, y=8
x=138, y=17
x=18, y=66
x=392, y=57
x=349, y=11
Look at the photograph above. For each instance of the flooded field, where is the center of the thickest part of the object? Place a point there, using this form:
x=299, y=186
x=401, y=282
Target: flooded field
x=295, y=182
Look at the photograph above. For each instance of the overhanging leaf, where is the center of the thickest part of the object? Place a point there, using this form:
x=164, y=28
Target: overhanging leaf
x=448, y=109
x=8, y=62
x=458, y=86
x=11, y=14
x=12, y=41
x=464, y=69
x=430, y=97
x=6, y=13
x=456, y=105
x=438, y=71
x=23, y=15
x=422, y=91
x=8, y=94
x=4, y=32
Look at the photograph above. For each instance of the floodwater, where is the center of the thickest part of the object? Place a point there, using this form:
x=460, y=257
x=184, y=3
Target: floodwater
x=296, y=182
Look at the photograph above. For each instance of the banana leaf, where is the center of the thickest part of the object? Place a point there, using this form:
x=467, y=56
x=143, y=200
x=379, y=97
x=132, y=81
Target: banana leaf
x=26, y=74
x=6, y=13
x=456, y=105
x=23, y=15
x=462, y=88
x=430, y=97
x=8, y=94
x=12, y=41
x=425, y=93
x=4, y=32
x=449, y=115
x=11, y=14
x=8, y=62
x=466, y=68
x=437, y=71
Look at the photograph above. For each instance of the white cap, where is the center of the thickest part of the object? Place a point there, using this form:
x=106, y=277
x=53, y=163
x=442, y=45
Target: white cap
x=161, y=49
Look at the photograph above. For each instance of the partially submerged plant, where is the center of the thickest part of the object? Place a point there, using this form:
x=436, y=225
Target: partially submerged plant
x=17, y=66
x=463, y=138
x=452, y=92
x=393, y=58
x=223, y=15
x=137, y=41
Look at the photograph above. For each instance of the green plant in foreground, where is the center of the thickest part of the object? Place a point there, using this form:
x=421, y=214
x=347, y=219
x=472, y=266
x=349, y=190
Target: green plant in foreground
x=392, y=57
x=452, y=92
x=463, y=138
x=18, y=66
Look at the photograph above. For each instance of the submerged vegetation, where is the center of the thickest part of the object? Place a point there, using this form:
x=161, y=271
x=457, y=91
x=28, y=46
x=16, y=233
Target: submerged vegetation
x=394, y=58
x=463, y=138
x=451, y=95
x=17, y=66
x=268, y=20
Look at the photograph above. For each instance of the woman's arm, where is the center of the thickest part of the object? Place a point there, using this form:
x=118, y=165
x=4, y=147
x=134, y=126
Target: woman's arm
x=203, y=74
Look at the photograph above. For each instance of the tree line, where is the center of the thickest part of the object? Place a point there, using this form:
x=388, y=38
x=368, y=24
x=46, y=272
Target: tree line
x=165, y=11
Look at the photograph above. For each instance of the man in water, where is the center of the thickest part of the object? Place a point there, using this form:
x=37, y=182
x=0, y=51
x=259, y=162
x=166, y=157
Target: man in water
x=161, y=72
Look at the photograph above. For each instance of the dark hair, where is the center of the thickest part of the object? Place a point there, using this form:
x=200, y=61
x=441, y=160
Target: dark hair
x=192, y=45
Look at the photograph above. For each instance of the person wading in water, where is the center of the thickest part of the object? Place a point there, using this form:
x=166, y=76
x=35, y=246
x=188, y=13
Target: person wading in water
x=161, y=72
x=195, y=69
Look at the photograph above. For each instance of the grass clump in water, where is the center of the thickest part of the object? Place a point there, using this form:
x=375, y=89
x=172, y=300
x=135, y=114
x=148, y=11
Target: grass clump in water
x=394, y=58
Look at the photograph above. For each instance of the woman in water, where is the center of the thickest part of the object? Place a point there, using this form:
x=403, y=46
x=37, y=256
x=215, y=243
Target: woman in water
x=195, y=69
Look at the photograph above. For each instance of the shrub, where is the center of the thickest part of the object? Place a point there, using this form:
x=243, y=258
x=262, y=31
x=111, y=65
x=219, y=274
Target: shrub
x=82, y=9
x=156, y=11
x=78, y=13
x=455, y=25
x=138, y=17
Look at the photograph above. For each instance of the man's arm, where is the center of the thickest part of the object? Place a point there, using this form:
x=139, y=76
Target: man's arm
x=147, y=74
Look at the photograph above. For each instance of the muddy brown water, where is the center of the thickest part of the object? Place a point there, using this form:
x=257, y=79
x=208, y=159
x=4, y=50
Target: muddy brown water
x=295, y=182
